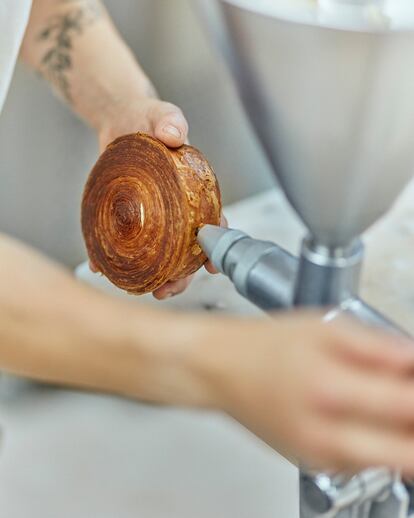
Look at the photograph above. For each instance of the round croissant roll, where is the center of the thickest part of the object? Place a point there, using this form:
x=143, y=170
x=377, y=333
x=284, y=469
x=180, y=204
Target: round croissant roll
x=141, y=210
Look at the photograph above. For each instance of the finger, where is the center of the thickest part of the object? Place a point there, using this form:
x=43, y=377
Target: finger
x=209, y=265
x=377, y=350
x=170, y=289
x=169, y=124
x=385, y=400
x=93, y=268
x=357, y=446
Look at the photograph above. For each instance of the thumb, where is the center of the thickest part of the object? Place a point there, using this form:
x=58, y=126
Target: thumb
x=169, y=124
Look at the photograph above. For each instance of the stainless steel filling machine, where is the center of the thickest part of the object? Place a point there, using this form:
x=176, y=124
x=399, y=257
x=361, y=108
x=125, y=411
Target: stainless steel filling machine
x=328, y=87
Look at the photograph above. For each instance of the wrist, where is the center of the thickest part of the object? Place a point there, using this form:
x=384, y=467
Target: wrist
x=116, y=107
x=210, y=359
x=172, y=356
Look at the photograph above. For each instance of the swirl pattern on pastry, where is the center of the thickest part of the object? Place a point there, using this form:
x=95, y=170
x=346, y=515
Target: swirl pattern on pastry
x=142, y=206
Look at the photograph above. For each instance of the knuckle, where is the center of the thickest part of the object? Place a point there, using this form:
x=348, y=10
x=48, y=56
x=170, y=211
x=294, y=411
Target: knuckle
x=324, y=393
x=170, y=106
x=172, y=109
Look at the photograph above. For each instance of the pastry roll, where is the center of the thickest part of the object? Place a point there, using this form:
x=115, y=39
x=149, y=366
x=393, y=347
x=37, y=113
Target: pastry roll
x=142, y=207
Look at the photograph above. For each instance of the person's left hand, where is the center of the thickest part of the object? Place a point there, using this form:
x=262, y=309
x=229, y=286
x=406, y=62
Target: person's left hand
x=164, y=121
x=160, y=119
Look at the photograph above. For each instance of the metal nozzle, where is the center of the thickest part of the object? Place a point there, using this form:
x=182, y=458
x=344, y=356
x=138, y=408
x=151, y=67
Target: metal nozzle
x=216, y=241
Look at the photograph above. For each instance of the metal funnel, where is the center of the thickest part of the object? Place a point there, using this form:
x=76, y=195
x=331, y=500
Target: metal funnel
x=329, y=88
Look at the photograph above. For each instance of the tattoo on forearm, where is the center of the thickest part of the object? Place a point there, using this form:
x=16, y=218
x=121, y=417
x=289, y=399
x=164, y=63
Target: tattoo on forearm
x=58, y=33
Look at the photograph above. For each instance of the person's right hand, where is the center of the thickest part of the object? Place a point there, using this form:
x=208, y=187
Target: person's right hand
x=334, y=396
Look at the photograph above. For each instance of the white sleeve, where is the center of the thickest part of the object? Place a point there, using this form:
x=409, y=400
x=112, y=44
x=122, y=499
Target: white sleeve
x=14, y=16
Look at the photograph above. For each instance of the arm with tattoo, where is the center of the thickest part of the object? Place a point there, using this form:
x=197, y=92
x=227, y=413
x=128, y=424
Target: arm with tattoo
x=74, y=45
x=58, y=39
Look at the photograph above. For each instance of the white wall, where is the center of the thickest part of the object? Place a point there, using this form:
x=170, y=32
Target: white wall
x=46, y=153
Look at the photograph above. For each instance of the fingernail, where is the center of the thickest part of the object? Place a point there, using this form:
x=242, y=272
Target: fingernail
x=173, y=131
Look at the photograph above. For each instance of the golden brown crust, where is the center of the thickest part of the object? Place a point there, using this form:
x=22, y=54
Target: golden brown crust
x=142, y=206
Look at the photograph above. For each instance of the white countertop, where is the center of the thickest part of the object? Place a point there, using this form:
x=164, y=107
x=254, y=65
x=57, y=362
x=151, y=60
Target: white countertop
x=65, y=454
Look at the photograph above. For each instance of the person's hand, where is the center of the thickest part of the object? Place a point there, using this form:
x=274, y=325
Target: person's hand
x=164, y=121
x=160, y=119
x=332, y=395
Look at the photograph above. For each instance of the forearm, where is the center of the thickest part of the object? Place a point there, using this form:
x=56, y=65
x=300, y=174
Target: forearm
x=262, y=372
x=55, y=329
x=75, y=46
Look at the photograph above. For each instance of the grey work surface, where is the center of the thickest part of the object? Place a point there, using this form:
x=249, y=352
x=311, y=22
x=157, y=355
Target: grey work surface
x=66, y=454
